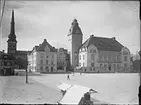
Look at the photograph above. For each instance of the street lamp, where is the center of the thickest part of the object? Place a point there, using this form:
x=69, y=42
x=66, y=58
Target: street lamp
x=26, y=70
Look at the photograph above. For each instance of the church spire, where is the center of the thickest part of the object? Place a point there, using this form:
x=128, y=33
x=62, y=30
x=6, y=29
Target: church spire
x=12, y=36
x=12, y=31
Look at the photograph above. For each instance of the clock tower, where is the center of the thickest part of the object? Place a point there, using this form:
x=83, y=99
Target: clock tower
x=76, y=36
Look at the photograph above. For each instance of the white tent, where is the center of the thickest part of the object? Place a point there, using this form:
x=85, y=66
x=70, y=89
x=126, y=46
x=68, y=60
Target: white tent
x=64, y=86
x=74, y=94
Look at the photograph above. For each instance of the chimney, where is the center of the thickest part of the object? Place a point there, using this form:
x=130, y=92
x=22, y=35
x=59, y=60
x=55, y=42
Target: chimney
x=3, y=51
x=45, y=40
x=114, y=38
x=91, y=36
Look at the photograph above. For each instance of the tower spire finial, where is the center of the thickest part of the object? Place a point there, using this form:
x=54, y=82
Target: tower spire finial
x=12, y=24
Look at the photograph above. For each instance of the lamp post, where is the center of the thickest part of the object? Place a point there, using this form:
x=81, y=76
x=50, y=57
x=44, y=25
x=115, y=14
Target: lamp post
x=26, y=70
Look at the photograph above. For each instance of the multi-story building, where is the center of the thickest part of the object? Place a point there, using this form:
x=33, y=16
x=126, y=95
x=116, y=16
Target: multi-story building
x=43, y=58
x=99, y=54
x=62, y=60
x=6, y=64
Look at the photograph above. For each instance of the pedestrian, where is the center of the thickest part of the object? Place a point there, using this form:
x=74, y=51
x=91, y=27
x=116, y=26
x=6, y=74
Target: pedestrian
x=68, y=78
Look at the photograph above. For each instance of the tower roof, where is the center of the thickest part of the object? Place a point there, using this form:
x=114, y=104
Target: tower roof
x=75, y=29
x=12, y=36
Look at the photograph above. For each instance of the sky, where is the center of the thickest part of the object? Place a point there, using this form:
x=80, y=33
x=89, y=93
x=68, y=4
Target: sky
x=51, y=20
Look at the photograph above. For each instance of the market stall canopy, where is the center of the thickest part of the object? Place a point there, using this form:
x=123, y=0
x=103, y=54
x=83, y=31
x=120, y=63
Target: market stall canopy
x=64, y=86
x=75, y=93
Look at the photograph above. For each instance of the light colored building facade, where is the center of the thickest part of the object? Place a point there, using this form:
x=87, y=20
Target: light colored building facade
x=43, y=58
x=98, y=54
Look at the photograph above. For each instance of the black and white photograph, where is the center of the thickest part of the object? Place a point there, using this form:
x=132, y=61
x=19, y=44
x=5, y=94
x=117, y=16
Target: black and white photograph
x=70, y=52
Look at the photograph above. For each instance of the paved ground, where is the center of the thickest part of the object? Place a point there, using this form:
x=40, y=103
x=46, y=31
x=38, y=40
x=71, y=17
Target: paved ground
x=112, y=88
x=14, y=90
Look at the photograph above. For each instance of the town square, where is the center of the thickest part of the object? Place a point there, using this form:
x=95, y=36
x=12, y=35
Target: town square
x=69, y=52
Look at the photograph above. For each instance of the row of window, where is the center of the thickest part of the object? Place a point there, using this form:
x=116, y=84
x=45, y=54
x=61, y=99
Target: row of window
x=46, y=68
x=90, y=51
x=82, y=56
x=47, y=62
x=42, y=56
x=103, y=65
x=109, y=58
x=104, y=58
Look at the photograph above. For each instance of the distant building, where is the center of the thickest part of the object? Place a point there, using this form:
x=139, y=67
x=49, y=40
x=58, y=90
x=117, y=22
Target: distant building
x=62, y=60
x=6, y=64
x=43, y=58
x=97, y=54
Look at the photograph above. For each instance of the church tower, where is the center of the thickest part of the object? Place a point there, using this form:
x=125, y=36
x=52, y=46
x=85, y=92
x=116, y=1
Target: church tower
x=75, y=35
x=12, y=42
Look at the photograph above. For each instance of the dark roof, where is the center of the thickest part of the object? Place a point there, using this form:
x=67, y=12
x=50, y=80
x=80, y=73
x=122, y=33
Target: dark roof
x=75, y=29
x=65, y=51
x=21, y=52
x=6, y=56
x=44, y=44
x=103, y=44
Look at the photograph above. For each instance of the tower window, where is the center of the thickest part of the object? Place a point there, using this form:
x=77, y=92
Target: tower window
x=125, y=58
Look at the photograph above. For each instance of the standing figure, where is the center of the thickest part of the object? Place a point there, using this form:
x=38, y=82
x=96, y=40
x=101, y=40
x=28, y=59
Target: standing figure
x=68, y=77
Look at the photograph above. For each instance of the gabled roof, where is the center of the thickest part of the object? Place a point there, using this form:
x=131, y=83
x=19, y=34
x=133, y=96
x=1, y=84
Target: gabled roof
x=103, y=44
x=44, y=44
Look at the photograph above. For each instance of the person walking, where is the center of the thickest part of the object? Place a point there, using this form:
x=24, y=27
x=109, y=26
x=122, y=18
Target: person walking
x=68, y=77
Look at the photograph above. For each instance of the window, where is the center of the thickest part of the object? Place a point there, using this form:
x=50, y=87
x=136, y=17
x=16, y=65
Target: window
x=41, y=61
x=83, y=64
x=109, y=57
x=105, y=58
x=92, y=57
x=117, y=65
x=46, y=68
x=52, y=62
x=125, y=64
x=114, y=65
x=92, y=64
x=83, y=57
x=100, y=65
x=42, y=55
x=79, y=64
x=125, y=58
x=80, y=57
x=105, y=65
x=46, y=61
x=100, y=58
x=41, y=68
